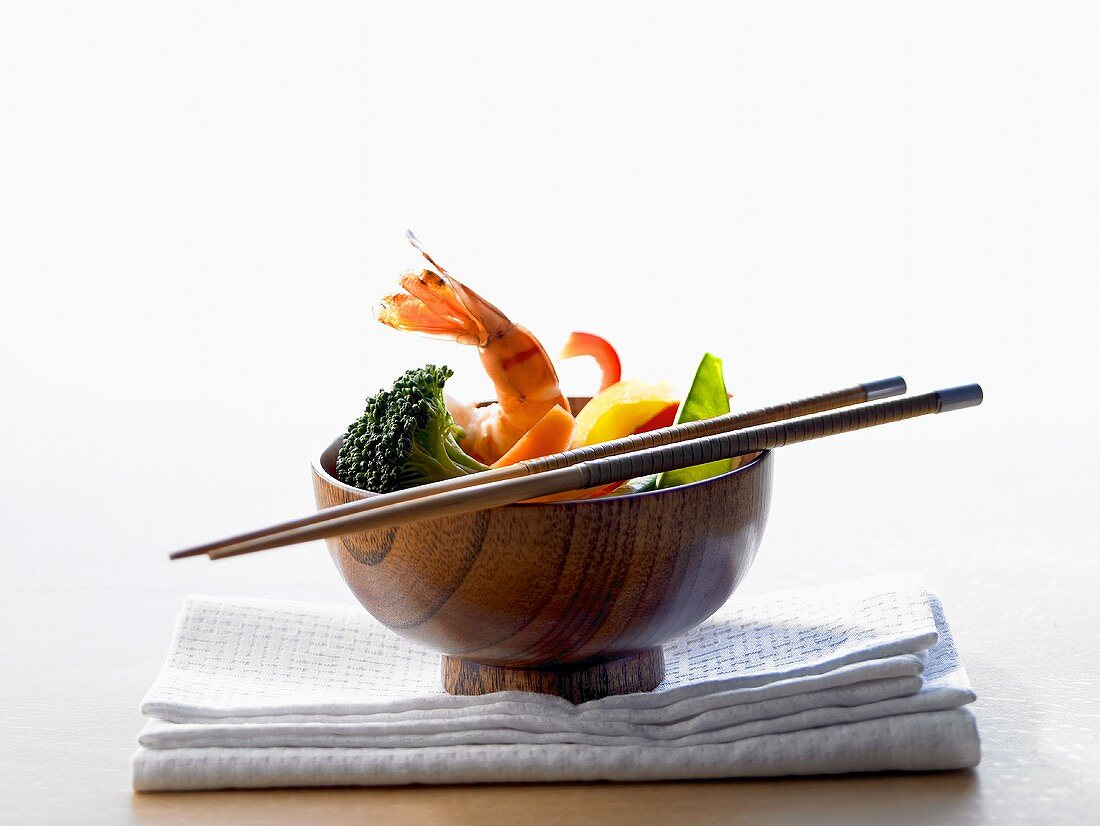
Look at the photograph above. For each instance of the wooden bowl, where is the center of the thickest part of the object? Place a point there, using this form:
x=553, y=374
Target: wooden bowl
x=567, y=598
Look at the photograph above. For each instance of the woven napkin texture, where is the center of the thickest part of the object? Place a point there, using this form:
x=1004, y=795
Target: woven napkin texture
x=848, y=677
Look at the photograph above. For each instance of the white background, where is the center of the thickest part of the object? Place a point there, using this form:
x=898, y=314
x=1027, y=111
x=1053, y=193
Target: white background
x=200, y=203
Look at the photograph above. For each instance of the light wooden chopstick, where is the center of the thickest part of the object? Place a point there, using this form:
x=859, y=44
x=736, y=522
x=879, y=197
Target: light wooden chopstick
x=868, y=391
x=625, y=466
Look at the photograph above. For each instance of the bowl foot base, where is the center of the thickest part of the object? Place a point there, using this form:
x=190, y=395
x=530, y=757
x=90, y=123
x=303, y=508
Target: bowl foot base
x=638, y=671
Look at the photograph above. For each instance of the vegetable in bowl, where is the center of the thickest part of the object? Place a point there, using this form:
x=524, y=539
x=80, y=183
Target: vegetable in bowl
x=412, y=434
x=405, y=437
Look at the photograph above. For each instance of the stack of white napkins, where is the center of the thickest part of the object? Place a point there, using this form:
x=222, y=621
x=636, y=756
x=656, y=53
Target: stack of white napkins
x=860, y=676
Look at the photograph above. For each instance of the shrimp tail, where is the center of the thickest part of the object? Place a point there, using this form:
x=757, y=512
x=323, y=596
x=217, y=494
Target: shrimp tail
x=435, y=303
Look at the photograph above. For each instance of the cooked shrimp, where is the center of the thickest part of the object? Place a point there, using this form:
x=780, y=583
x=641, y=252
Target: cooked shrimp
x=436, y=303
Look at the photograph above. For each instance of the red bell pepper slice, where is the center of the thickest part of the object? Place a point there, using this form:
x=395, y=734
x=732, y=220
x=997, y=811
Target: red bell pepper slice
x=663, y=419
x=587, y=344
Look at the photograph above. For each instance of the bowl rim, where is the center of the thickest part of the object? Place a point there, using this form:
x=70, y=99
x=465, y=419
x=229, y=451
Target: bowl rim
x=333, y=446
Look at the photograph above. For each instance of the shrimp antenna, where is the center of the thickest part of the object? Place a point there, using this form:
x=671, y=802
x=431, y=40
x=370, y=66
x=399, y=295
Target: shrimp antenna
x=416, y=243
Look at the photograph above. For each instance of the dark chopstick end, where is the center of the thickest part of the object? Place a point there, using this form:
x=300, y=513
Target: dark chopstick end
x=186, y=552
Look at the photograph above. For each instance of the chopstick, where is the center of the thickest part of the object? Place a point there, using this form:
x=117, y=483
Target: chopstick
x=624, y=466
x=868, y=391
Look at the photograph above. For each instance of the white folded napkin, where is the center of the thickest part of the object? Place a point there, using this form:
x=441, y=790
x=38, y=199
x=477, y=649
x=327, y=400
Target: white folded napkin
x=826, y=679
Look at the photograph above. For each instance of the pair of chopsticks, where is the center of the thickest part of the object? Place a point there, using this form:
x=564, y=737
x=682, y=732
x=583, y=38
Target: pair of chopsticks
x=670, y=448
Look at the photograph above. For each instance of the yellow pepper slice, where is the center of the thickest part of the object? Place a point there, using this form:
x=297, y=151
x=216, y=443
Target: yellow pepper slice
x=620, y=410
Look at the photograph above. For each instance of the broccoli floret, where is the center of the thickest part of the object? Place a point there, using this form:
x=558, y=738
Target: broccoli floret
x=405, y=437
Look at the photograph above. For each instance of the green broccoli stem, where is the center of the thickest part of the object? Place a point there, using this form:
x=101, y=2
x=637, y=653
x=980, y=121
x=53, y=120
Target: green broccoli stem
x=436, y=455
x=422, y=468
x=461, y=458
x=445, y=462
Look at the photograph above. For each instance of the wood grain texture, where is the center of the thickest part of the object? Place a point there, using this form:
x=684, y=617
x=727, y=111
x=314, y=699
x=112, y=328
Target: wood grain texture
x=639, y=671
x=566, y=583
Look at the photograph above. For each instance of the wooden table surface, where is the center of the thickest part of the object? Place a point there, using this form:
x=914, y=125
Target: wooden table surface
x=87, y=620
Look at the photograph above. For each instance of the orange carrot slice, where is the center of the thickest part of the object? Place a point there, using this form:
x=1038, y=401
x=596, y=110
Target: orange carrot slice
x=551, y=434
